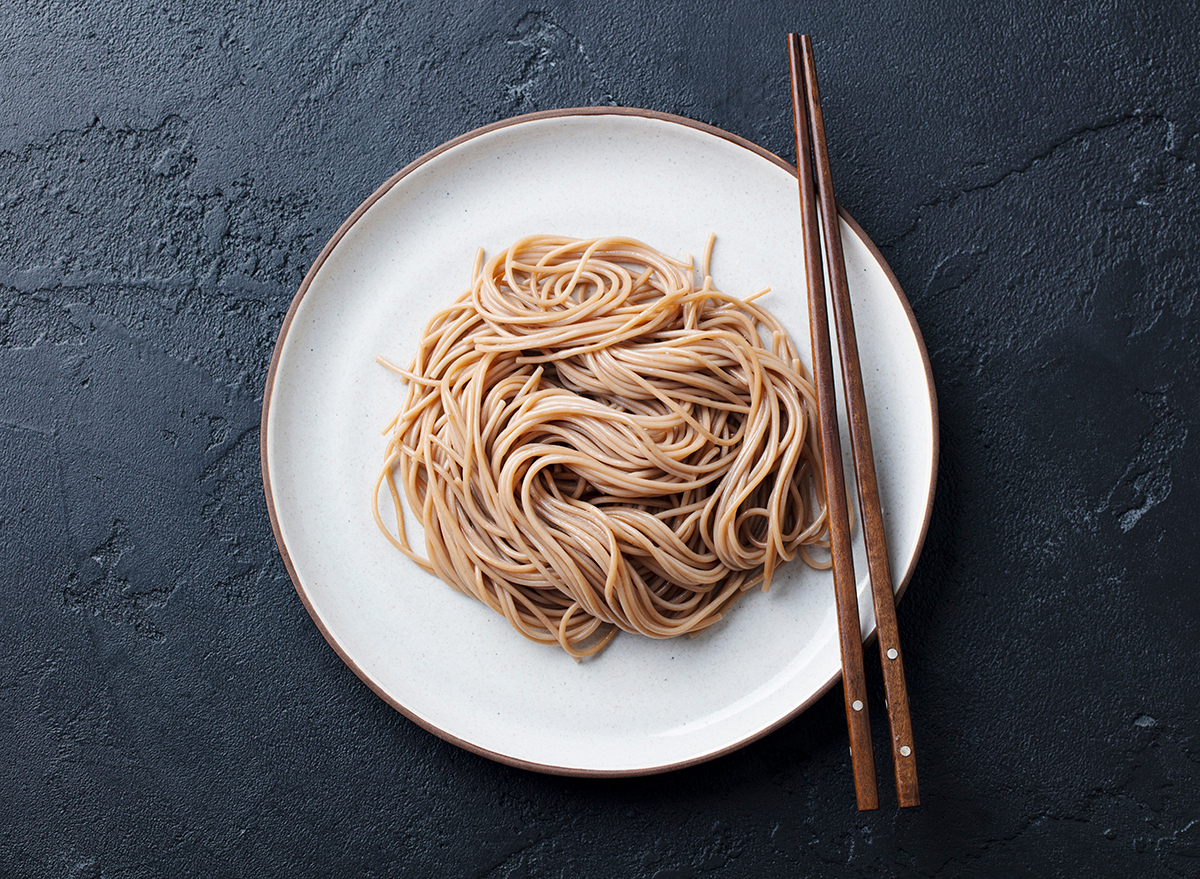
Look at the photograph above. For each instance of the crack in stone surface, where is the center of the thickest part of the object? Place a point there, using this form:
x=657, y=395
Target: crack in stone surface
x=1030, y=162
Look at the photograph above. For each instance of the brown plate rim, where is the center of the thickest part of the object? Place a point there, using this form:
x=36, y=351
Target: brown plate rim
x=270, y=383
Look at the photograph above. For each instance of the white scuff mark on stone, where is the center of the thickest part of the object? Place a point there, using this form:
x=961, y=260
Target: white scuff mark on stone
x=1146, y=481
x=545, y=43
x=1153, y=486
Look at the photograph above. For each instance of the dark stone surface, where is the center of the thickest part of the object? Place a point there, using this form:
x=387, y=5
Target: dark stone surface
x=167, y=174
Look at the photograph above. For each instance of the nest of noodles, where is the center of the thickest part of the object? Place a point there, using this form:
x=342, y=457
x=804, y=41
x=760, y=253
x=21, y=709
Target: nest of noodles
x=593, y=443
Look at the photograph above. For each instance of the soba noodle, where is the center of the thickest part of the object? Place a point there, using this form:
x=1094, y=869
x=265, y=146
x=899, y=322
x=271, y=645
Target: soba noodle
x=591, y=442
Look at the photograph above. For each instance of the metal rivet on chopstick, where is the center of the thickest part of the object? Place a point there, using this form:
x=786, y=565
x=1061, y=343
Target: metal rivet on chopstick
x=857, y=705
x=905, y=750
x=892, y=654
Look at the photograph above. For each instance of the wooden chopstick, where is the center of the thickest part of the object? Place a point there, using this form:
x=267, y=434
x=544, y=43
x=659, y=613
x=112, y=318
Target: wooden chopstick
x=809, y=118
x=862, y=751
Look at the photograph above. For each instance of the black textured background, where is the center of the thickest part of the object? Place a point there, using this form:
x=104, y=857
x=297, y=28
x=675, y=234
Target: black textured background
x=168, y=172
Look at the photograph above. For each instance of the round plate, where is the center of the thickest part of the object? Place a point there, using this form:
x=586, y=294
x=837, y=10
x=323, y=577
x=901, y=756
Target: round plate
x=445, y=660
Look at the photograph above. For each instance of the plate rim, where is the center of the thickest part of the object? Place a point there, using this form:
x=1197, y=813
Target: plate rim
x=269, y=385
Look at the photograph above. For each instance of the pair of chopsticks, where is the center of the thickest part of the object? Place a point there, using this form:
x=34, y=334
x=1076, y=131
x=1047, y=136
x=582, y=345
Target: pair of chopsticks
x=816, y=186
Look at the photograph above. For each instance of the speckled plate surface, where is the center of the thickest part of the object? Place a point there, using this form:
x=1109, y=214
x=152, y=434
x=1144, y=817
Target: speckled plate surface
x=446, y=661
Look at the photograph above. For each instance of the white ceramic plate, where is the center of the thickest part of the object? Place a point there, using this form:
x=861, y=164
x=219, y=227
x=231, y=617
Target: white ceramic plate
x=446, y=661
